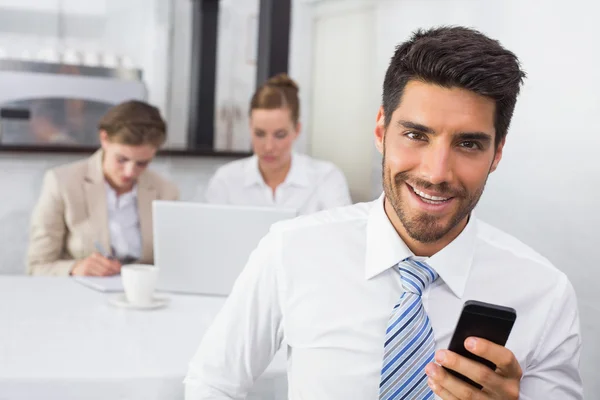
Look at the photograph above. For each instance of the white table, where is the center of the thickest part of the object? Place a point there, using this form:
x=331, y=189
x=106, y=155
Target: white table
x=60, y=340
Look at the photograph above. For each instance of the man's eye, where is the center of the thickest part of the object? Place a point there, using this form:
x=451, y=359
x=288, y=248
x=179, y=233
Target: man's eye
x=471, y=145
x=415, y=136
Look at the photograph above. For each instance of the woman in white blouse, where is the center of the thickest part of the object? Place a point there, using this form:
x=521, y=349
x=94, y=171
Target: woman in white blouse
x=275, y=176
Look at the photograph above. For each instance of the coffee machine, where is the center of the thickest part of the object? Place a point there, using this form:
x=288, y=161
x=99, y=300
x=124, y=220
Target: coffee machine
x=58, y=104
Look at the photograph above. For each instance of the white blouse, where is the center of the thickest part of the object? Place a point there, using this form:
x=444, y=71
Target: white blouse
x=311, y=185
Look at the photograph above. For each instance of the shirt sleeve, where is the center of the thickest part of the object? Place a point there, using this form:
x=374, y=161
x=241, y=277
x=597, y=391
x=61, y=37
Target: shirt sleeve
x=554, y=373
x=246, y=333
x=333, y=191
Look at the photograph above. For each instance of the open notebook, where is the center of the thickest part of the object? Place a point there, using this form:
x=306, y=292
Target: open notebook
x=102, y=283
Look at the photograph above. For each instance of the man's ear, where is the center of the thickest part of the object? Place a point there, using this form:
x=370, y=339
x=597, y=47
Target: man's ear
x=498, y=155
x=380, y=130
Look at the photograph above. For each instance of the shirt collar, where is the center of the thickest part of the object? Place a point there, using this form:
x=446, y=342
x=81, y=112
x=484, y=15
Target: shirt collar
x=297, y=175
x=453, y=263
x=385, y=249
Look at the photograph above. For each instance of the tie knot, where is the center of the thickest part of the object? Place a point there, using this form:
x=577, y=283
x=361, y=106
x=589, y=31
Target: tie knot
x=416, y=275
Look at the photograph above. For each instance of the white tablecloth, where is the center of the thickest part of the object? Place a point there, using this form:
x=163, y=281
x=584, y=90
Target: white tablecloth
x=60, y=340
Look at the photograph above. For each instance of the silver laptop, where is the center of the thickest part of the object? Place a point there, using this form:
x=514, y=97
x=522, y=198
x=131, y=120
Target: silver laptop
x=202, y=248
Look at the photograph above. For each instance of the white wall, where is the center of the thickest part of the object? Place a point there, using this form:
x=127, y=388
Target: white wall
x=345, y=93
x=545, y=191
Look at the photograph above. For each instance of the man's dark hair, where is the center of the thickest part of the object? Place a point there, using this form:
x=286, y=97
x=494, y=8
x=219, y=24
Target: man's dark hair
x=456, y=57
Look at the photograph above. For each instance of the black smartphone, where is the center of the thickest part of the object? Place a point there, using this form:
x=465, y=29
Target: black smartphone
x=483, y=320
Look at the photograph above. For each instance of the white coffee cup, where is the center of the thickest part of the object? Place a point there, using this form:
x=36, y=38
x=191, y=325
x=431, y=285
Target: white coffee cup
x=139, y=282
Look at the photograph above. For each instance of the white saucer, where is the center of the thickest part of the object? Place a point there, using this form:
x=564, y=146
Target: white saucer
x=119, y=300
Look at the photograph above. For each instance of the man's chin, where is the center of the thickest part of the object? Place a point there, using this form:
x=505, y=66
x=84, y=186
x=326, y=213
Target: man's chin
x=427, y=228
x=426, y=237
x=425, y=234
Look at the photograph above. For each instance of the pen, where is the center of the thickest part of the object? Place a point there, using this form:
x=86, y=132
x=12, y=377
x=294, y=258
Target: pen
x=102, y=251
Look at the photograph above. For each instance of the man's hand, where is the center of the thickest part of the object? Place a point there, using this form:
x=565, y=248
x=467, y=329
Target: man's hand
x=504, y=383
x=96, y=265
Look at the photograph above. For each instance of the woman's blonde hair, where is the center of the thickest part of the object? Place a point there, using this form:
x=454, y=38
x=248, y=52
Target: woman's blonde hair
x=134, y=123
x=279, y=91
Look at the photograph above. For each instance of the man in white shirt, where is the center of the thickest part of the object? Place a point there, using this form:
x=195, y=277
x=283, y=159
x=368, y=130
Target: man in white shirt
x=366, y=297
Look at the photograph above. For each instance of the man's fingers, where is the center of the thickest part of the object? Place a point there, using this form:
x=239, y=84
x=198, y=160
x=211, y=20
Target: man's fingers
x=473, y=370
x=441, y=392
x=505, y=360
x=450, y=386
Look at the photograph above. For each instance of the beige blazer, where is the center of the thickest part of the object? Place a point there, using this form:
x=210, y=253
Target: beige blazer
x=72, y=214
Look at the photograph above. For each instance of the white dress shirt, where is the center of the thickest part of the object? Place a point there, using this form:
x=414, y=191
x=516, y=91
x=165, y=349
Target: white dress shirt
x=124, y=223
x=324, y=285
x=311, y=185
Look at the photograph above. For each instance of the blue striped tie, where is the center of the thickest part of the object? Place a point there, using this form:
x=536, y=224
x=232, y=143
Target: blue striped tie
x=409, y=342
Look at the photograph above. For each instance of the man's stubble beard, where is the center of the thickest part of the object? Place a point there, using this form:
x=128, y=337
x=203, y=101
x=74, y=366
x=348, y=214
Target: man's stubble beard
x=426, y=228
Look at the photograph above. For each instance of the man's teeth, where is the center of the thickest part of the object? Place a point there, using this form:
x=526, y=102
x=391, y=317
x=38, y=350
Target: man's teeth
x=428, y=197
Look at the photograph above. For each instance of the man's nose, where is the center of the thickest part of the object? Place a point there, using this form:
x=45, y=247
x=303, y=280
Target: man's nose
x=436, y=164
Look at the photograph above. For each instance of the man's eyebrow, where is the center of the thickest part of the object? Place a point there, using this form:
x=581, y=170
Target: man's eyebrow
x=481, y=136
x=415, y=126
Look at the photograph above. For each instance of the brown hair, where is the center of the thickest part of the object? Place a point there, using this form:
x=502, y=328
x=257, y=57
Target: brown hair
x=134, y=123
x=279, y=91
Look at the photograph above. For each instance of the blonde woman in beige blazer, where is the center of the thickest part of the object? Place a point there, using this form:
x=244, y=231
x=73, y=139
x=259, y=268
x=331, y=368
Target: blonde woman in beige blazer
x=95, y=213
